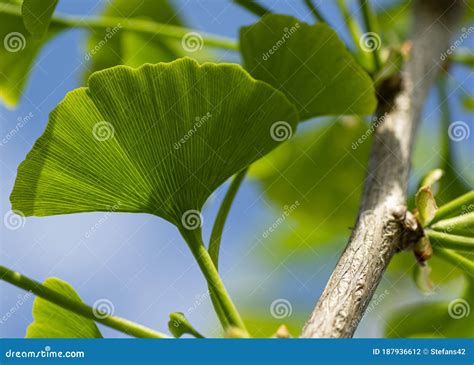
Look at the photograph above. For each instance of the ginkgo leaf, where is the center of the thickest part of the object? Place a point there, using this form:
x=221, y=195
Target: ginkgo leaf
x=52, y=321
x=309, y=64
x=17, y=54
x=157, y=139
x=320, y=191
x=37, y=15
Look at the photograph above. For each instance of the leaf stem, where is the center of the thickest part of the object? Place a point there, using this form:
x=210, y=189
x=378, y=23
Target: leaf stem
x=455, y=259
x=217, y=230
x=120, y=324
x=136, y=25
x=194, y=240
x=454, y=207
x=463, y=224
x=355, y=32
x=253, y=7
x=371, y=25
x=463, y=56
x=315, y=11
x=450, y=241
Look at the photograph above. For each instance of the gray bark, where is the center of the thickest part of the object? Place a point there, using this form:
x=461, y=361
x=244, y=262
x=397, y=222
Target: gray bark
x=383, y=225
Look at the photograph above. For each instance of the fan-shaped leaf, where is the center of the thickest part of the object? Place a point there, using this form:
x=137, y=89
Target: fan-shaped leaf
x=37, y=15
x=310, y=64
x=52, y=321
x=157, y=139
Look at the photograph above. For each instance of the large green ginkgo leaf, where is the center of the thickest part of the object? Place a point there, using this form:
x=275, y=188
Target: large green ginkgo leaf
x=309, y=64
x=52, y=321
x=37, y=15
x=157, y=139
x=17, y=54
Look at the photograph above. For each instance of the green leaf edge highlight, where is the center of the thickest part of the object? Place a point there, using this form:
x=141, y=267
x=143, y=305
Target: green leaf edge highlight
x=47, y=316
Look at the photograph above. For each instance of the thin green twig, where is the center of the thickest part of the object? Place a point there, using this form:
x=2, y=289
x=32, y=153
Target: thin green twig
x=356, y=34
x=454, y=207
x=218, y=228
x=317, y=14
x=371, y=25
x=450, y=241
x=120, y=324
x=455, y=259
x=131, y=24
x=253, y=7
x=462, y=224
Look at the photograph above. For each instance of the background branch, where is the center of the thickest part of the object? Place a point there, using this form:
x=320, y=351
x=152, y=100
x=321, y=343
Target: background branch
x=380, y=227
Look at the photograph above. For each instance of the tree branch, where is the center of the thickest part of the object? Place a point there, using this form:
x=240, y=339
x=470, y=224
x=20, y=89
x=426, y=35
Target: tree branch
x=382, y=226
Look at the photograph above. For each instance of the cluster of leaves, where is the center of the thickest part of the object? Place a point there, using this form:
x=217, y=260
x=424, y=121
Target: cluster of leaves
x=150, y=108
x=447, y=230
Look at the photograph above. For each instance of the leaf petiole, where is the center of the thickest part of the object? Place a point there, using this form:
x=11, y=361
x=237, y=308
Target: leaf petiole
x=455, y=207
x=217, y=230
x=455, y=259
x=194, y=240
x=451, y=241
x=371, y=26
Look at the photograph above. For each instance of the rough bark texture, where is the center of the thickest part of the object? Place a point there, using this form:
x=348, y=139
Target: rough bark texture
x=383, y=224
